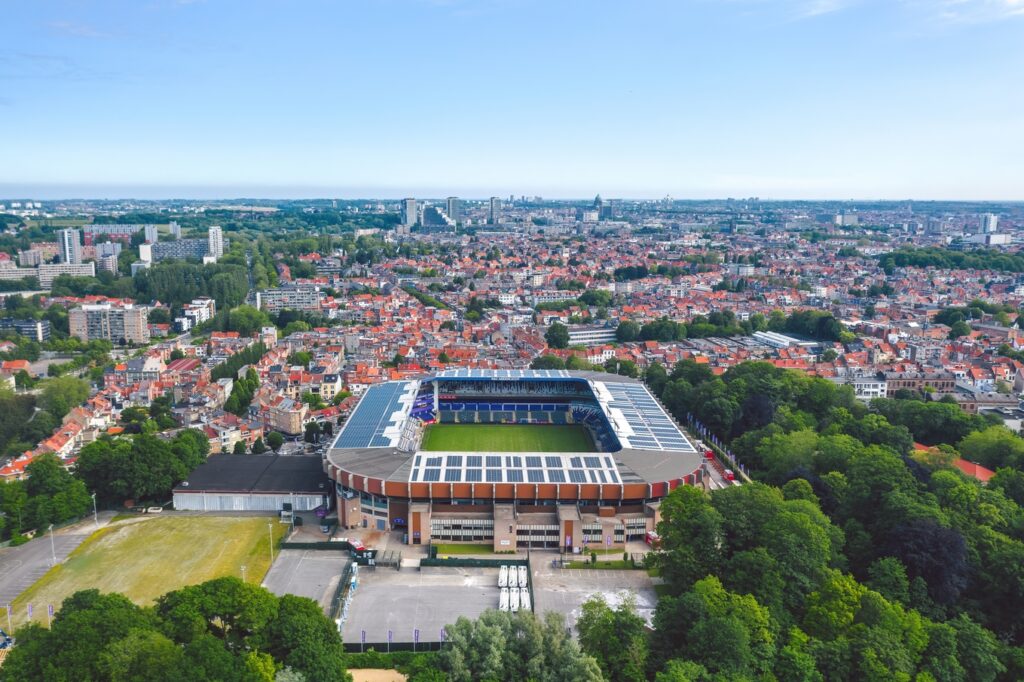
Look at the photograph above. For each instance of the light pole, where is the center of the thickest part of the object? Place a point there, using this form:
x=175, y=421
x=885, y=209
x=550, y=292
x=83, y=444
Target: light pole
x=270, y=531
x=95, y=516
x=53, y=547
x=243, y=573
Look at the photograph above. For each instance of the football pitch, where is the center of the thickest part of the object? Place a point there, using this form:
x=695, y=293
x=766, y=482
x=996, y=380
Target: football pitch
x=507, y=438
x=147, y=557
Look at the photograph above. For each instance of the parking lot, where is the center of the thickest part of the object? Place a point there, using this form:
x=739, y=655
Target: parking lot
x=307, y=573
x=426, y=599
x=565, y=590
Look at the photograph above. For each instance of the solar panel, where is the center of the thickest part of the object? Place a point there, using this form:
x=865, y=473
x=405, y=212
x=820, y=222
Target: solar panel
x=434, y=461
x=533, y=461
x=454, y=461
x=474, y=461
x=514, y=476
x=493, y=461
x=556, y=475
x=373, y=414
x=577, y=476
x=535, y=475
x=494, y=475
x=431, y=474
x=474, y=475
x=553, y=462
x=453, y=474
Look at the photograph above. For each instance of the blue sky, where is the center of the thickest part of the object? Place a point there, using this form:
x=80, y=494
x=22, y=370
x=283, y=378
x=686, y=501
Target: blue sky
x=559, y=98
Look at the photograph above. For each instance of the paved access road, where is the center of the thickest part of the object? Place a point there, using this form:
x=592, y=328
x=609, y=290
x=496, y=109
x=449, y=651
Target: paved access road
x=22, y=566
x=307, y=573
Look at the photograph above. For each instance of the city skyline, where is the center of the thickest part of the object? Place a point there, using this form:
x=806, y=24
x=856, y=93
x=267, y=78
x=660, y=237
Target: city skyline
x=785, y=99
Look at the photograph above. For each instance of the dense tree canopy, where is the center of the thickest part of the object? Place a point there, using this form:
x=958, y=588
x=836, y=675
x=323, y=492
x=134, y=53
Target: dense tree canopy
x=223, y=630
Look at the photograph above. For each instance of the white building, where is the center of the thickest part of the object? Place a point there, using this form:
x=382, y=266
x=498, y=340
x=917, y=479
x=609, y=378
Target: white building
x=215, y=241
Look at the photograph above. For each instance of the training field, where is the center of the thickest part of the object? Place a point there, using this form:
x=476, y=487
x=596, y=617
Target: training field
x=507, y=438
x=147, y=557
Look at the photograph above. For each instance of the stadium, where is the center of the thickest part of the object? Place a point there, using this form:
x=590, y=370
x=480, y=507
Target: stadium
x=517, y=458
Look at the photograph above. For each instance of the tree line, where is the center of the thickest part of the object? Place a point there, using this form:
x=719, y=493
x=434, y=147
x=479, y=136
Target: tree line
x=855, y=555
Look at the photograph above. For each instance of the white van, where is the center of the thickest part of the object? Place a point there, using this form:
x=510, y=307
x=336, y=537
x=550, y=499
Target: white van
x=523, y=577
x=503, y=576
x=524, y=598
x=503, y=600
x=513, y=599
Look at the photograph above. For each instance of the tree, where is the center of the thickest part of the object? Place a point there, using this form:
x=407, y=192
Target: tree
x=60, y=394
x=223, y=630
x=627, y=331
x=557, y=336
x=995, y=447
x=727, y=633
x=691, y=536
x=959, y=329
x=258, y=448
x=239, y=448
x=275, y=440
x=504, y=646
x=547, y=362
x=616, y=638
x=312, y=432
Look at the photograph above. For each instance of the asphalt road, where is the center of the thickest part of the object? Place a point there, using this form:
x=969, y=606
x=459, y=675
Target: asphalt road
x=22, y=566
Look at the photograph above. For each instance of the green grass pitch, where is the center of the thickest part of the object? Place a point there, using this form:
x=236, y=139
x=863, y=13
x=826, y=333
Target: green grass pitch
x=507, y=438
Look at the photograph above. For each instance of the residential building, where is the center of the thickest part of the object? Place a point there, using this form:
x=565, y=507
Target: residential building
x=453, y=207
x=285, y=415
x=37, y=330
x=70, y=246
x=119, y=324
x=494, y=214
x=291, y=298
x=30, y=259
x=590, y=335
x=108, y=263
x=989, y=223
x=50, y=271
x=215, y=242
x=409, y=213
x=181, y=249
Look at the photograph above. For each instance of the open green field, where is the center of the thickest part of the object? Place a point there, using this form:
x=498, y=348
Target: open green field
x=145, y=558
x=507, y=438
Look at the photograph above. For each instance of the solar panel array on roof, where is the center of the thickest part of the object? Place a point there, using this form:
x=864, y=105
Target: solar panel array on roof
x=470, y=373
x=509, y=469
x=652, y=428
x=382, y=407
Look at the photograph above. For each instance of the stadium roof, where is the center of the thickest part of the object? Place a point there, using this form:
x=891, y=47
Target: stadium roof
x=653, y=446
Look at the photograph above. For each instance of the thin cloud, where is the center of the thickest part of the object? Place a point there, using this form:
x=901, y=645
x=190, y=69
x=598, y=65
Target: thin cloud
x=77, y=29
x=970, y=11
x=817, y=8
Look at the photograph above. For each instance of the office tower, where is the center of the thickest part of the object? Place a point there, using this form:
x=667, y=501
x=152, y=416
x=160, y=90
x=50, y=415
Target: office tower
x=495, y=215
x=989, y=222
x=215, y=242
x=409, y=216
x=70, y=247
x=175, y=230
x=454, y=209
x=150, y=233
